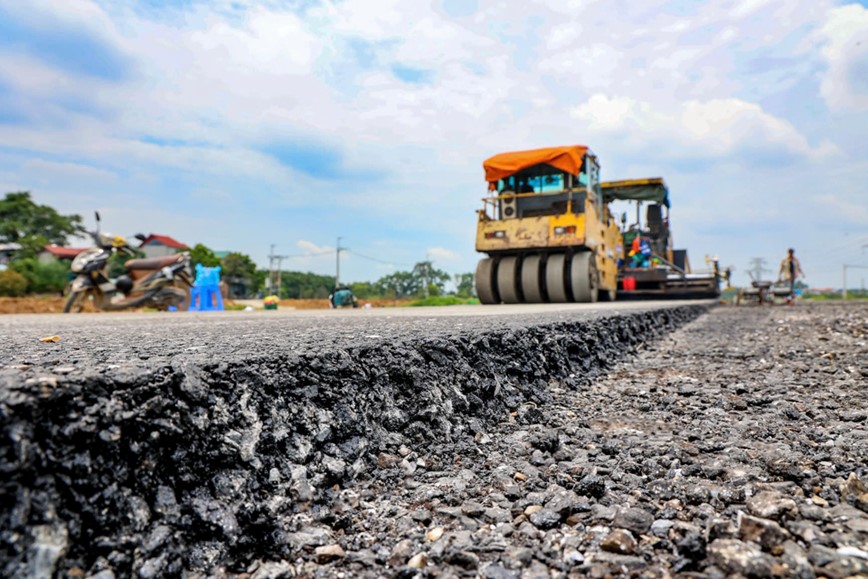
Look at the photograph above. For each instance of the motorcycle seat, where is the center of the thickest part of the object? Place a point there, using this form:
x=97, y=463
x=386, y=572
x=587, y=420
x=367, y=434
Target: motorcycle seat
x=153, y=263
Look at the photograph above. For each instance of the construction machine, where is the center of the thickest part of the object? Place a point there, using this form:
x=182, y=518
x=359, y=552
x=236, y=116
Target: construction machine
x=649, y=266
x=547, y=229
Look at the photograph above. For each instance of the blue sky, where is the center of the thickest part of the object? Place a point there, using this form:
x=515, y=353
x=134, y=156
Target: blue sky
x=242, y=124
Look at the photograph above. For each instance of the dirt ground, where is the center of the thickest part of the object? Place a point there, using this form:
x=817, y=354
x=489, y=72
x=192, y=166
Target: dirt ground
x=32, y=305
x=54, y=304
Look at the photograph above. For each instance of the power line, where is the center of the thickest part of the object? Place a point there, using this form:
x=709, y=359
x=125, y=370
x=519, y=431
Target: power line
x=376, y=259
x=321, y=253
x=834, y=249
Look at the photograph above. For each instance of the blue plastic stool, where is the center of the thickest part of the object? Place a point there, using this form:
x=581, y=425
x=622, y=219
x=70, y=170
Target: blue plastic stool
x=205, y=294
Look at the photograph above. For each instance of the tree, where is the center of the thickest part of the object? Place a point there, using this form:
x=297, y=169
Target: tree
x=400, y=284
x=429, y=281
x=299, y=285
x=33, y=226
x=465, y=285
x=364, y=290
x=42, y=277
x=239, y=272
x=204, y=255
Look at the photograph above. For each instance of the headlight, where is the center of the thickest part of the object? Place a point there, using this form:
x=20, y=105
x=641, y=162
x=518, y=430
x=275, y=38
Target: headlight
x=82, y=259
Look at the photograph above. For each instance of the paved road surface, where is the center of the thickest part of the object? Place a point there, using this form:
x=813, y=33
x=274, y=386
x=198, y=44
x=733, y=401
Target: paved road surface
x=109, y=340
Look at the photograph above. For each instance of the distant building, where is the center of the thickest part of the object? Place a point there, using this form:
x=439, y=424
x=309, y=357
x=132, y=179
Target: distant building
x=7, y=250
x=51, y=253
x=161, y=246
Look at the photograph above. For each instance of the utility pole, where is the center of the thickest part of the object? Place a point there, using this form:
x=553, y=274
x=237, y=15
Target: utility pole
x=427, y=271
x=338, y=251
x=757, y=267
x=844, y=287
x=272, y=258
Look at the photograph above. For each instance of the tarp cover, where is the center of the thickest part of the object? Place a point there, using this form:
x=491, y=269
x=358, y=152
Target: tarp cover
x=567, y=159
x=653, y=189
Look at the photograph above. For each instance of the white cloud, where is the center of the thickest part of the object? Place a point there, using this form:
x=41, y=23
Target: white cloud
x=651, y=86
x=442, y=254
x=50, y=170
x=845, y=50
x=312, y=248
x=855, y=211
x=713, y=129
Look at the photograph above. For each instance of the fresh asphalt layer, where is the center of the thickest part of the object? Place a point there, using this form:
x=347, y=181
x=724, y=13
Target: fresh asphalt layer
x=157, y=445
x=108, y=342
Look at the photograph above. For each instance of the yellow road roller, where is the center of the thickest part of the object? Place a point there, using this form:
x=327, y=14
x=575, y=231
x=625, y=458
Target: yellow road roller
x=546, y=229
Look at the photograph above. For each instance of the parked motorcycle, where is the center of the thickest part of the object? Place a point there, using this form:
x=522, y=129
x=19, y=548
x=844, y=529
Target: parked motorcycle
x=159, y=282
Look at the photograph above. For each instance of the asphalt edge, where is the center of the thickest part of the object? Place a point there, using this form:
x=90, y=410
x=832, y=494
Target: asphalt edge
x=95, y=465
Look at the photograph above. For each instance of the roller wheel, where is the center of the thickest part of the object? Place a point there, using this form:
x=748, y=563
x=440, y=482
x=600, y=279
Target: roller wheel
x=556, y=279
x=607, y=295
x=485, y=287
x=583, y=276
x=531, y=284
x=507, y=280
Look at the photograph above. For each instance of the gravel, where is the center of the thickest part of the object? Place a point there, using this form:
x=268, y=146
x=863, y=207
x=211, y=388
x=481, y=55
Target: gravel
x=735, y=445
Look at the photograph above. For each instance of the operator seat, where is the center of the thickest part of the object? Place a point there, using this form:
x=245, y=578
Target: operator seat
x=654, y=218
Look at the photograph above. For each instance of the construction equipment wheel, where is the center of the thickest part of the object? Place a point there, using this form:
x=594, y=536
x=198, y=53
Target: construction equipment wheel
x=583, y=277
x=531, y=279
x=507, y=280
x=485, y=288
x=607, y=295
x=556, y=278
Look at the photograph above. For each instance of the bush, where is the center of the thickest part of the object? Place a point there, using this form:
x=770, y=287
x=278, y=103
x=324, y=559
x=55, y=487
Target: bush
x=12, y=284
x=42, y=277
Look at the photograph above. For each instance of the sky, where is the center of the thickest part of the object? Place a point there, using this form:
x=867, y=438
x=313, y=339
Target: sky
x=241, y=124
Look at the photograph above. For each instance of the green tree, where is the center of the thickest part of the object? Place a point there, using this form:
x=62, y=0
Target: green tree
x=300, y=285
x=429, y=280
x=465, y=285
x=42, y=277
x=364, y=290
x=239, y=271
x=397, y=285
x=33, y=226
x=204, y=255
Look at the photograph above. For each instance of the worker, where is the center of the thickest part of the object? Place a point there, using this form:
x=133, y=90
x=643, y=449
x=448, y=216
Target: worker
x=342, y=297
x=790, y=270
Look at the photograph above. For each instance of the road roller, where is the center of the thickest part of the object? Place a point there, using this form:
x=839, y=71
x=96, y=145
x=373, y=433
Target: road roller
x=546, y=229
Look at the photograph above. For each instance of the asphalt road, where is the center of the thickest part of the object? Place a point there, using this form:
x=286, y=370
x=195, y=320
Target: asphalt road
x=152, y=445
x=109, y=341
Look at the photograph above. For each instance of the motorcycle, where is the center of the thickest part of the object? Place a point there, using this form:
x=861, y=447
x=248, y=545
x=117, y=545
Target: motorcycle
x=160, y=282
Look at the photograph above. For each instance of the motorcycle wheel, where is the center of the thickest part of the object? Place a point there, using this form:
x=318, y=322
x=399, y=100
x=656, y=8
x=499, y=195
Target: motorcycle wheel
x=77, y=301
x=184, y=304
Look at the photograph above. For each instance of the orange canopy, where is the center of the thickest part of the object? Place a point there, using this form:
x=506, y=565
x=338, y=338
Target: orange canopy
x=567, y=159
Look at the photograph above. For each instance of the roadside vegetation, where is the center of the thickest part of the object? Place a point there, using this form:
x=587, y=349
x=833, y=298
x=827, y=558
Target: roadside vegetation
x=28, y=228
